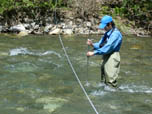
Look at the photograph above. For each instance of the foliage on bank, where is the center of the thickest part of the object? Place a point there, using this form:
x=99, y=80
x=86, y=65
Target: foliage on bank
x=137, y=11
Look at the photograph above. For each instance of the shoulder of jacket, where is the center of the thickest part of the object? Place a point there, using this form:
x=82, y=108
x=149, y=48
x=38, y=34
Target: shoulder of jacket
x=116, y=31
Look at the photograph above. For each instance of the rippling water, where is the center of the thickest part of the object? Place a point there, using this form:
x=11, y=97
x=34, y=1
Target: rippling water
x=35, y=77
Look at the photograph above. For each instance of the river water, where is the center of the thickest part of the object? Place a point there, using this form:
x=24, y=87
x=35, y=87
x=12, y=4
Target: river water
x=35, y=77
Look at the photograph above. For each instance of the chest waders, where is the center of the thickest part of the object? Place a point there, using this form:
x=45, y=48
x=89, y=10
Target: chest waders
x=107, y=56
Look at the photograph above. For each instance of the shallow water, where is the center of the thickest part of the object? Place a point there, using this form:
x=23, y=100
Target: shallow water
x=35, y=77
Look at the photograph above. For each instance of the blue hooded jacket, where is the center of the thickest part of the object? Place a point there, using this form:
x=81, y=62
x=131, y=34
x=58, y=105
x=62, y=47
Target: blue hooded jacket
x=113, y=43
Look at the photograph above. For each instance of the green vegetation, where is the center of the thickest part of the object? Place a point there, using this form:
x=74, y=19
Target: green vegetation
x=135, y=10
x=8, y=5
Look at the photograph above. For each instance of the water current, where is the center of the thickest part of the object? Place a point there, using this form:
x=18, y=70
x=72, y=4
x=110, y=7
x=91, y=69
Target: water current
x=35, y=77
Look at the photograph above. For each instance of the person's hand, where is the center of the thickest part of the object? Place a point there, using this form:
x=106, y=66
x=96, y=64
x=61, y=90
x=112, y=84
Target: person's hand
x=89, y=42
x=90, y=53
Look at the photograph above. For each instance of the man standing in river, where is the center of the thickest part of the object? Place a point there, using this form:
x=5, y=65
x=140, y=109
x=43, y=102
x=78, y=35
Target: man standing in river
x=108, y=46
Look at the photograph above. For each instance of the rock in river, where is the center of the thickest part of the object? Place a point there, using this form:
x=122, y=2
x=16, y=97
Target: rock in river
x=51, y=103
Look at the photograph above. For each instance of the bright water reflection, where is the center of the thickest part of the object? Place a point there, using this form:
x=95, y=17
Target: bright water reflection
x=35, y=77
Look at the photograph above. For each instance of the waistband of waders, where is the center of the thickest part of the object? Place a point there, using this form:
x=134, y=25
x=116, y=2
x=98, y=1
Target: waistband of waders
x=108, y=55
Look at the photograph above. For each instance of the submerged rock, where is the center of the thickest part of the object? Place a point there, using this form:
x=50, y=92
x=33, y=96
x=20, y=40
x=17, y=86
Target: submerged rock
x=51, y=103
x=135, y=47
x=21, y=109
x=21, y=67
x=4, y=54
x=22, y=33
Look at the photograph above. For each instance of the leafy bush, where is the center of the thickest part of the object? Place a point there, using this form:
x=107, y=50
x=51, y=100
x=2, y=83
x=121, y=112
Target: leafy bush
x=7, y=5
x=135, y=10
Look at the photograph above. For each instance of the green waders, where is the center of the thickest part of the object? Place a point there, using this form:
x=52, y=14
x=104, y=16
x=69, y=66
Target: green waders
x=110, y=68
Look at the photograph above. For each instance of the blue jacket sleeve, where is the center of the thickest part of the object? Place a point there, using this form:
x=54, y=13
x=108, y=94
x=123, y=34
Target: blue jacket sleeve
x=111, y=44
x=97, y=45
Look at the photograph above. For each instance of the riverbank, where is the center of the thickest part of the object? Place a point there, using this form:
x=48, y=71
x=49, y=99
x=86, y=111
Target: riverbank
x=67, y=24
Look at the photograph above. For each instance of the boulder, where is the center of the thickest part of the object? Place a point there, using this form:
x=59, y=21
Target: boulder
x=87, y=23
x=36, y=27
x=51, y=103
x=1, y=28
x=33, y=24
x=27, y=26
x=48, y=27
x=22, y=33
x=55, y=31
x=17, y=28
x=67, y=31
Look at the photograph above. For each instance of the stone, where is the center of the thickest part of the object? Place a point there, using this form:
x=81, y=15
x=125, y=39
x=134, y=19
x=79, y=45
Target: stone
x=88, y=24
x=55, y=31
x=51, y=103
x=135, y=47
x=22, y=33
x=21, y=109
x=17, y=28
x=36, y=27
x=70, y=23
x=33, y=24
x=67, y=31
x=27, y=26
x=37, y=32
x=27, y=20
x=3, y=54
x=1, y=28
x=47, y=28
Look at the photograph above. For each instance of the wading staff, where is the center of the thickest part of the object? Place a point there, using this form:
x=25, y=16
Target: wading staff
x=88, y=49
x=87, y=83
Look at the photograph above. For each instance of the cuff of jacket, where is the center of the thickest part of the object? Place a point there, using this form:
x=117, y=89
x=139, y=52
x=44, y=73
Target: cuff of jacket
x=95, y=52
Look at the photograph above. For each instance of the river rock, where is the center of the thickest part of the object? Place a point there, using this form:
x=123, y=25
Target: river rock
x=79, y=30
x=70, y=23
x=33, y=24
x=27, y=20
x=3, y=54
x=27, y=26
x=20, y=109
x=17, y=28
x=37, y=32
x=36, y=27
x=135, y=47
x=67, y=31
x=48, y=27
x=87, y=23
x=1, y=28
x=55, y=31
x=63, y=25
x=22, y=33
x=51, y=103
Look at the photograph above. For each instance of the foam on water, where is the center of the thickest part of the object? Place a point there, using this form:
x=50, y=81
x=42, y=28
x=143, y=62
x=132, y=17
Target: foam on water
x=98, y=93
x=18, y=51
x=135, y=88
x=128, y=88
x=25, y=51
x=50, y=52
x=87, y=84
